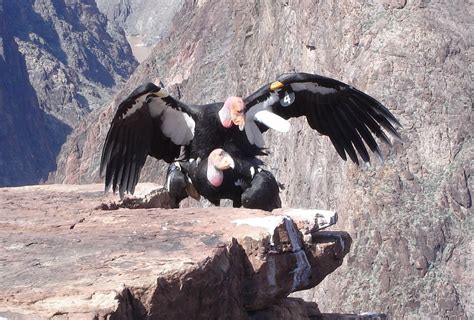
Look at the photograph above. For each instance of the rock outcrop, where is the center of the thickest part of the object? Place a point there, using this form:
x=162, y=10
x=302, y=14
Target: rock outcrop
x=62, y=257
x=58, y=60
x=410, y=217
x=145, y=22
x=148, y=19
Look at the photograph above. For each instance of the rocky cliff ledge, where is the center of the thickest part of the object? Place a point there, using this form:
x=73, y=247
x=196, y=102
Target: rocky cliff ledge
x=64, y=257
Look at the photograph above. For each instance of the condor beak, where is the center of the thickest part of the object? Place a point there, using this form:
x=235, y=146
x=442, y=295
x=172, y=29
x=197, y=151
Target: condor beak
x=276, y=85
x=240, y=122
x=228, y=162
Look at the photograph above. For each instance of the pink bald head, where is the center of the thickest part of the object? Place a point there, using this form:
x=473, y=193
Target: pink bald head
x=233, y=112
x=218, y=161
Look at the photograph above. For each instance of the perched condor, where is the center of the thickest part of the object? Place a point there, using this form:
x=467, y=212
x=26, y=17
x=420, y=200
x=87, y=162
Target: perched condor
x=151, y=122
x=218, y=177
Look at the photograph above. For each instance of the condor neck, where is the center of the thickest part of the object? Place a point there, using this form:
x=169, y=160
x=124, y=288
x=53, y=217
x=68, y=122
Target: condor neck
x=214, y=175
x=224, y=117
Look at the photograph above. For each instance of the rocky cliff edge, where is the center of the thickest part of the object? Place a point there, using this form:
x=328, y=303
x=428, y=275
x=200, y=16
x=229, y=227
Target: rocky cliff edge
x=63, y=256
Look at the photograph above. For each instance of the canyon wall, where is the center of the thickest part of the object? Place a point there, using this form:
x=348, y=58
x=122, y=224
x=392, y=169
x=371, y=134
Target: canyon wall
x=59, y=59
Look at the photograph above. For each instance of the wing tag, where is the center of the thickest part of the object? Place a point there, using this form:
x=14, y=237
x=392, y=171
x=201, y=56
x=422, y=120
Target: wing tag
x=287, y=97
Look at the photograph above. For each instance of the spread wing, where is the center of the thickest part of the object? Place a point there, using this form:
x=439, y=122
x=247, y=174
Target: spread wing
x=350, y=118
x=148, y=122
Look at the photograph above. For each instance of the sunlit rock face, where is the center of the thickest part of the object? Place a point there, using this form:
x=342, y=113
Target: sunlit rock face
x=145, y=22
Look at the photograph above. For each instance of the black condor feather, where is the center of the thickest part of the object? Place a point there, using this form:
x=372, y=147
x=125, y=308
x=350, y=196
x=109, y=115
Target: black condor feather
x=210, y=134
x=246, y=185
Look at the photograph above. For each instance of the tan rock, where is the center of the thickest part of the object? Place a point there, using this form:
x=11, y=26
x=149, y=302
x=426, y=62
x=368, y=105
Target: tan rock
x=63, y=258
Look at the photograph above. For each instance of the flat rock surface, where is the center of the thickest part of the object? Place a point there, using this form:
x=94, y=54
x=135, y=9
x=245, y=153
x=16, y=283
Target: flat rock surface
x=60, y=254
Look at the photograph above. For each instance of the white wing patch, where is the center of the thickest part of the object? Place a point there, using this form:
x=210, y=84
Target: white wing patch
x=272, y=120
x=311, y=87
x=178, y=126
x=262, y=112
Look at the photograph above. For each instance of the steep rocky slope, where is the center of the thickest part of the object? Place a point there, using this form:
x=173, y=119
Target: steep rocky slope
x=148, y=19
x=411, y=216
x=145, y=21
x=59, y=60
x=21, y=117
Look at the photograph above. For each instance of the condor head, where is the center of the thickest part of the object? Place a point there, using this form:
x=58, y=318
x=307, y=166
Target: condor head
x=233, y=113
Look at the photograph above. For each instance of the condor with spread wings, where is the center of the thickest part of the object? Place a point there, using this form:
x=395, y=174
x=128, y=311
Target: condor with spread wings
x=151, y=122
